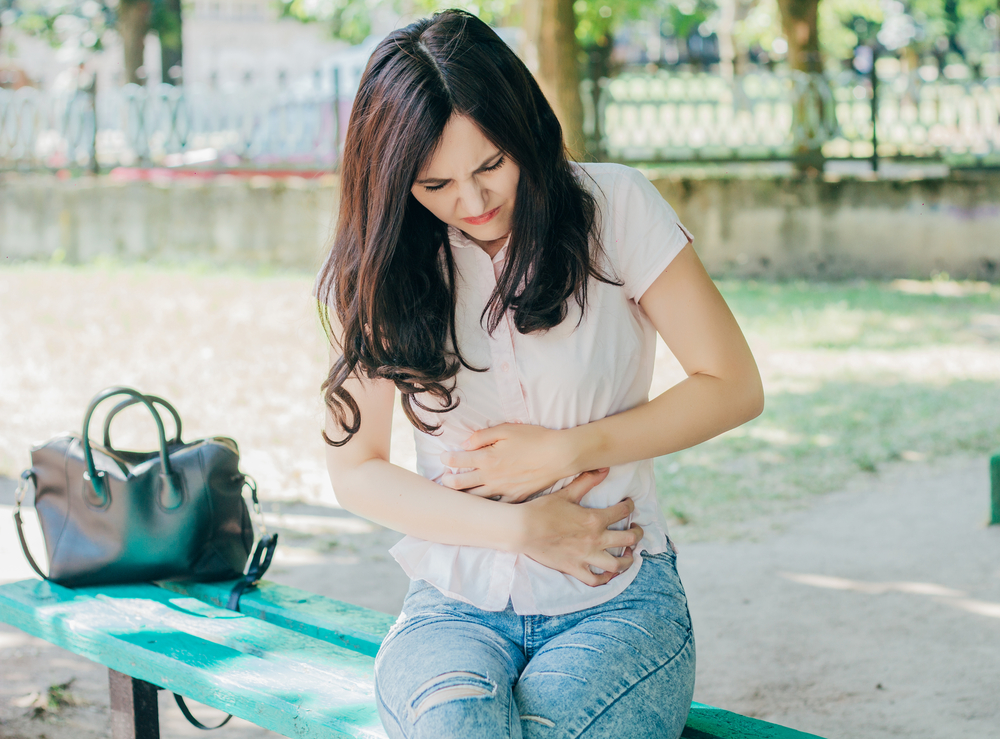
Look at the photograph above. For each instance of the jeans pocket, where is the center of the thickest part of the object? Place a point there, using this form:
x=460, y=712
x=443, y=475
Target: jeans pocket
x=659, y=579
x=669, y=556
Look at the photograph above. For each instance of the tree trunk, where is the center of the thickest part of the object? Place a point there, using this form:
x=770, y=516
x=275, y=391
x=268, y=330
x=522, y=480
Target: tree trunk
x=169, y=27
x=133, y=25
x=799, y=24
x=552, y=55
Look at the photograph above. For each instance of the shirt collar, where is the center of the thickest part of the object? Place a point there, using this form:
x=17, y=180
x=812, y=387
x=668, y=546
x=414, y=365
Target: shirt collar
x=460, y=241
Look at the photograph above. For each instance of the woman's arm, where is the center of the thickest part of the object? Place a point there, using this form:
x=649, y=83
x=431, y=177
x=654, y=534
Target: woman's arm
x=554, y=529
x=722, y=391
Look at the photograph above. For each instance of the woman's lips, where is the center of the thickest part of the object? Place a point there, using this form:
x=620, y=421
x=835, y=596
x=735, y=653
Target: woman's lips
x=484, y=218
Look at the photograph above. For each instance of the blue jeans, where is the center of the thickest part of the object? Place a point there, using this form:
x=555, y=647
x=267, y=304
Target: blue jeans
x=623, y=669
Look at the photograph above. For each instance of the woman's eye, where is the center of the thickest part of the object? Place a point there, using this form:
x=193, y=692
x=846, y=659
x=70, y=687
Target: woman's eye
x=492, y=168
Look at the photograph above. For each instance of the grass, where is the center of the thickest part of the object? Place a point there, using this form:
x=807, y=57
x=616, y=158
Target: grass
x=867, y=315
x=857, y=375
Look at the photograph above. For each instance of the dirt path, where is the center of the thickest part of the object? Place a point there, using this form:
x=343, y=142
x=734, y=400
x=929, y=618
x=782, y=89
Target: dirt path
x=875, y=613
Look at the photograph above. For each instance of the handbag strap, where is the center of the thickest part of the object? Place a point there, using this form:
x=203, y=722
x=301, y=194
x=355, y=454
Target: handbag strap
x=171, y=493
x=262, y=553
x=195, y=722
x=18, y=499
x=259, y=562
x=156, y=400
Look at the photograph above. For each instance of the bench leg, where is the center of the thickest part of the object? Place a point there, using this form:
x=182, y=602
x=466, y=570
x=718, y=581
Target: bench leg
x=134, y=713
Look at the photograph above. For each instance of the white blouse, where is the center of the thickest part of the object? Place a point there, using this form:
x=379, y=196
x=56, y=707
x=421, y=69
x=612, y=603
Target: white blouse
x=561, y=378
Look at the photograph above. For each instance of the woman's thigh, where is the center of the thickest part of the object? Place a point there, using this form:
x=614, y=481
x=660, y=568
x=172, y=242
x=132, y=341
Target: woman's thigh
x=625, y=669
x=443, y=672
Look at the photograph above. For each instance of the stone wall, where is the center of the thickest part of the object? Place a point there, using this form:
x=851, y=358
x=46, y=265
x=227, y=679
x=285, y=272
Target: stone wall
x=779, y=228
x=766, y=227
x=256, y=221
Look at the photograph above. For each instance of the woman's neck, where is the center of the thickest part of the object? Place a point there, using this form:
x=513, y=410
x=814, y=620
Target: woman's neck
x=491, y=247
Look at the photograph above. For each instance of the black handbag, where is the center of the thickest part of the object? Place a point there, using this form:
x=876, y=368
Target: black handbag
x=114, y=516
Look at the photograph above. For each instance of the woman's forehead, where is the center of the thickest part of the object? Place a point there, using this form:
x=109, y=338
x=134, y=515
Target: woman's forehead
x=461, y=150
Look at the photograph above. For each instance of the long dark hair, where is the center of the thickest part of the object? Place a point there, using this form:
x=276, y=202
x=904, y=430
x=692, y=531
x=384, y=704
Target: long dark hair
x=388, y=277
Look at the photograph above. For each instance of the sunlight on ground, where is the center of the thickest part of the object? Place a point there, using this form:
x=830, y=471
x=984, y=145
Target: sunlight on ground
x=940, y=593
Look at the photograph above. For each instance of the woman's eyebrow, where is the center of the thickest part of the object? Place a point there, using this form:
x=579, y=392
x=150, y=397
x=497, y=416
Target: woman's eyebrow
x=480, y=168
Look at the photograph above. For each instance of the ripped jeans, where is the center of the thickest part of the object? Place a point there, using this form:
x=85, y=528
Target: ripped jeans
x=624, y=668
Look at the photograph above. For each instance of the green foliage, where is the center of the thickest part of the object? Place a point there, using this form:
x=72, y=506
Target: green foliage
x=843, y=24
x=598, y=20
x=167, y=24
x=71, y=24
x=349, y=20
x=761, y=26
x=914, y=24
x=494, y=12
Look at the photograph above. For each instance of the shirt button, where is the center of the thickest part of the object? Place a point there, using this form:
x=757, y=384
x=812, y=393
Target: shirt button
x=505, y=367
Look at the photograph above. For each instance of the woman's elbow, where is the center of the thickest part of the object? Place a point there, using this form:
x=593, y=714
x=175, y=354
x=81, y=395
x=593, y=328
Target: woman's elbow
x=753, y=401
x=348, y=479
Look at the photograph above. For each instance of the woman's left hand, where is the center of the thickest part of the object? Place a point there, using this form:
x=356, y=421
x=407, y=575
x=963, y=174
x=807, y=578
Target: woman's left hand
x=509, y=462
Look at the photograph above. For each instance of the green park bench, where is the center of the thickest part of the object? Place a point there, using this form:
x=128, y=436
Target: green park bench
x=291, y=661
x=995, y=489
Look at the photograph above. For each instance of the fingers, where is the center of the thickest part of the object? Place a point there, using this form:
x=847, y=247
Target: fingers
x=584, y=483
x=618, y=512
x=612, y=566
x=462, y=480
x=460, y=460
x=483, y=437
x=629, y=538
x=593, y=579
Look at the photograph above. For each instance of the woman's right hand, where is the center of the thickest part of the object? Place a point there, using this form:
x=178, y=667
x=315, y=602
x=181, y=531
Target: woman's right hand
x=562, y=534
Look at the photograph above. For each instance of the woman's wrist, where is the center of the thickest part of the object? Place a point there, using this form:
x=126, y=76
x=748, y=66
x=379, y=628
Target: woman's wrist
x=518, y=528
x=582, y=447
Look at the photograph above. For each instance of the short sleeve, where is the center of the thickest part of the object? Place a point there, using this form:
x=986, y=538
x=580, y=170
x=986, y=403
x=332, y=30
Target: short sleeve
x=646, y=232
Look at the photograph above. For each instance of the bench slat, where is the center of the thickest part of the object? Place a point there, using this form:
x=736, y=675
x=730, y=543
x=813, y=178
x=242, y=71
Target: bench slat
x=709, y=722
x=362, y=630
x=353, y=627
x=291, y=661
x=235, y=663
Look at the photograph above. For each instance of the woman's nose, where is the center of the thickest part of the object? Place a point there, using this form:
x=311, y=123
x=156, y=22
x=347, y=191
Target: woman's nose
x=472, y=198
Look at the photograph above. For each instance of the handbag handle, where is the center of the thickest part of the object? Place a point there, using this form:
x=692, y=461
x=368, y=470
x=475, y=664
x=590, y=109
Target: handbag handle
x=171, y=494
x=132, y=401
x=22, y=488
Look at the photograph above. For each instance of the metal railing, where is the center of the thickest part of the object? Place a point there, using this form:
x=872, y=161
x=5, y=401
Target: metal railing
x=661, y=117
x=682, y=117
x=168, y=126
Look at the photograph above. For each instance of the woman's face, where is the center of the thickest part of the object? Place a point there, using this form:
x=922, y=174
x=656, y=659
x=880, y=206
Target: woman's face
x=469, y=183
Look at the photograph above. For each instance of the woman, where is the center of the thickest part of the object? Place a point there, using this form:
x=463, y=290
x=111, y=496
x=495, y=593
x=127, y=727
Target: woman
x=513, y=298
